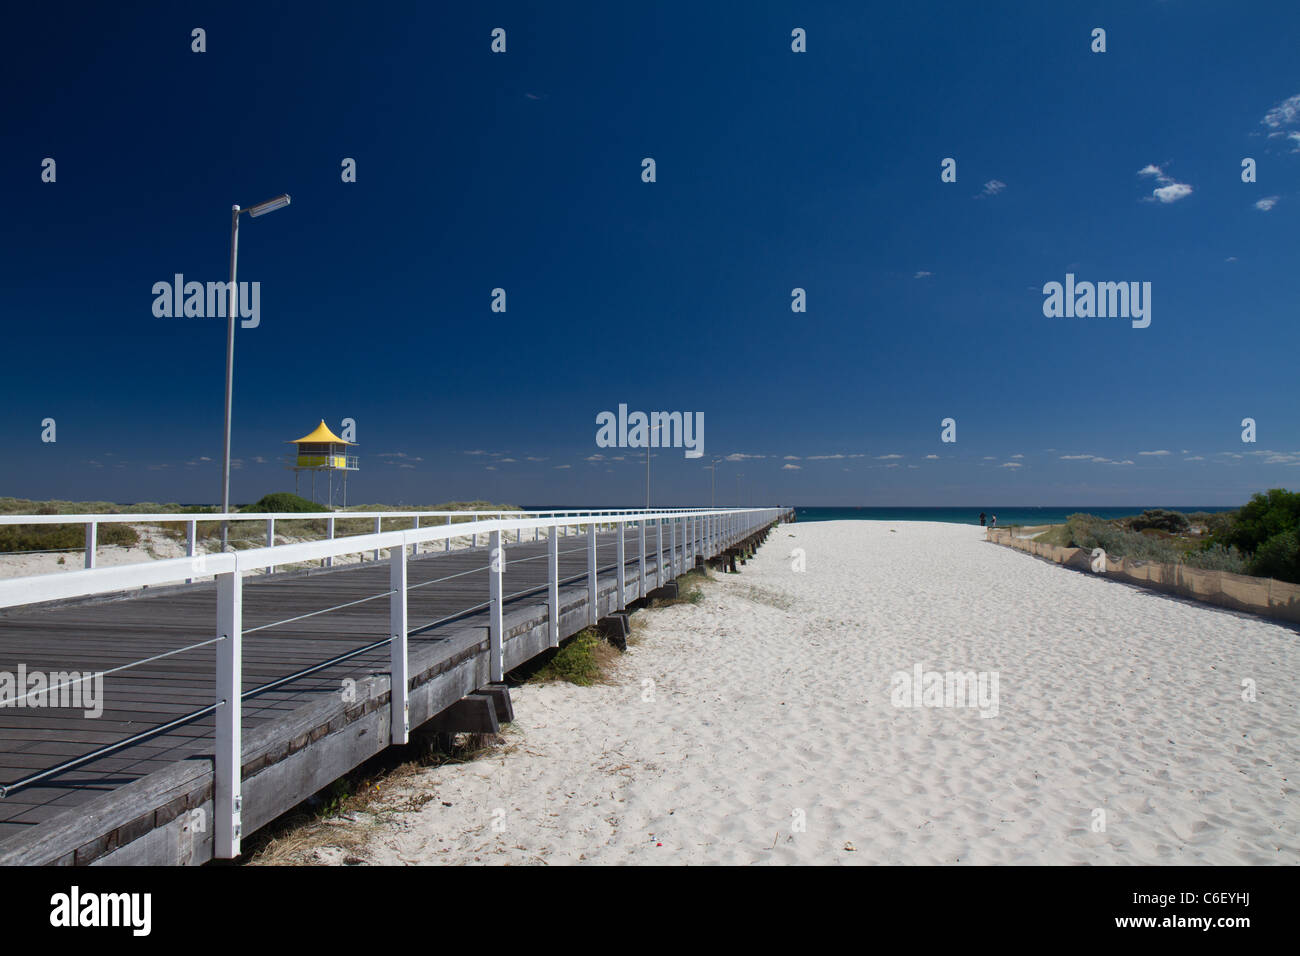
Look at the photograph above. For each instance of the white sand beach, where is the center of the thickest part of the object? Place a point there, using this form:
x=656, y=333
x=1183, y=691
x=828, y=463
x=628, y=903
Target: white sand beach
x=1121, y=734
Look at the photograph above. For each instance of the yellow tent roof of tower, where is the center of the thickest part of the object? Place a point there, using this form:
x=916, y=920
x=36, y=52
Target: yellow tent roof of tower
x=321, y=436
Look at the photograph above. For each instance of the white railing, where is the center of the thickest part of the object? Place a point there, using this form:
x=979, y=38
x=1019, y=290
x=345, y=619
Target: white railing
x=192, y=521
x=705, y=532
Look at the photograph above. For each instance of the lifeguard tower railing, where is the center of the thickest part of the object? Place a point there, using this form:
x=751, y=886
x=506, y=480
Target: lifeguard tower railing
x=323, y=459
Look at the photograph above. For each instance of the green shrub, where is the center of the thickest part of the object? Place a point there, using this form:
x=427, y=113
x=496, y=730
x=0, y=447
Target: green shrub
x=1278, y=557
x=63, y=537
x=1217, y=558
x=577, y=661
x=1265, y=515
x=281, y=502
x=1175, y=522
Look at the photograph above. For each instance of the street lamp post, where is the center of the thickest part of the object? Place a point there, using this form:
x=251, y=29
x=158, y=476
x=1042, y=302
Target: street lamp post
x=713, y=476
x=261, y=209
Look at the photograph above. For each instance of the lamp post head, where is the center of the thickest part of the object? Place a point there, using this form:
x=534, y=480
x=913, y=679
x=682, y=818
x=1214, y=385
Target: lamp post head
x=271, y=205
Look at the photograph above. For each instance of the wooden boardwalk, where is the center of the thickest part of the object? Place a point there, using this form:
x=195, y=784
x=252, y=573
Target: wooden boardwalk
x=145, y=802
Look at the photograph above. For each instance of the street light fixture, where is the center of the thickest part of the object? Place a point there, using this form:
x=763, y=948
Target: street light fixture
x=261, y=209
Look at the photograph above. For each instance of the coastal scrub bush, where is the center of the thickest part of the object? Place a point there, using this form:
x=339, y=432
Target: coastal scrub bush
x=281, y=502
x=1265, y=515
x=1089, y=532
x=63, y=537
x=579, y=660
x=1174, y=522
x=1217, y=558
x=1278, y=557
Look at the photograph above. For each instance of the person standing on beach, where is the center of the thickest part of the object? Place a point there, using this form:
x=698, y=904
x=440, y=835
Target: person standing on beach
x=981, y=519
x=994, y=523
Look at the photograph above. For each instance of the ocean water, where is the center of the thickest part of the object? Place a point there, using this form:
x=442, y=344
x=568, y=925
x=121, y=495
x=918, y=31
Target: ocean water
x=1006, y=516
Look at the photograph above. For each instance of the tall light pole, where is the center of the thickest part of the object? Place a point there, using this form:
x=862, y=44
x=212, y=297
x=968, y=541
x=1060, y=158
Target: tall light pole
x=261, y=209
x=713, y=475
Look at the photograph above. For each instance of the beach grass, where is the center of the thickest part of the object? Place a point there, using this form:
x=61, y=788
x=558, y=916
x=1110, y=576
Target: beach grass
x=583, y=659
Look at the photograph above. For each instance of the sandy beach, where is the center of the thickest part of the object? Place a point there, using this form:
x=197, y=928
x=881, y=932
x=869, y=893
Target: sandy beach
x=761, y=726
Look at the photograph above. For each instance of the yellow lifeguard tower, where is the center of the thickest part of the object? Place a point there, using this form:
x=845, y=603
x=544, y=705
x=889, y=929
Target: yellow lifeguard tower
x=322, y=450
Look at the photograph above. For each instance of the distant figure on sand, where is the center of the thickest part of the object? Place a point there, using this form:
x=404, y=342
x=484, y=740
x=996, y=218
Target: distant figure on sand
x=993, y=522
x=981, y=519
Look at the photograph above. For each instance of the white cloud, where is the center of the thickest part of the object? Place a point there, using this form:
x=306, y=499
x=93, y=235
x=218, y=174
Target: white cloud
x=1076, y=457
x=1285, y=113
x=1195, y=458
x=791, y=457
x=1264, y=205
x=922, y=275
x=563, y=466
x=993, y=187
x=1169, y=190
x=737, y=456
x=887, y=457
x=1017, y=456
x=1160, y=452
x=1172, y=193
x=931, y=457
x=789, y=467
x=1011, y=464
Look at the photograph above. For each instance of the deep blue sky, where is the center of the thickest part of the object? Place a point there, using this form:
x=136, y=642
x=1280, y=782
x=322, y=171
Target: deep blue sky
x=776, y=170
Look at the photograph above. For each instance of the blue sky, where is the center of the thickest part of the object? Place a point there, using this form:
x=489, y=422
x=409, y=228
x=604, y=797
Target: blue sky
x=775, y=170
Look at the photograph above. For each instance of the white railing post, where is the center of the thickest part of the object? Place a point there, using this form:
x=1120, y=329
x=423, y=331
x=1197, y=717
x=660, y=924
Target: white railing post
x=593, y=612
x=621, y=576
x=415, y=547
x=641, y=589
x=270, y=541
x=659, y=553
x=191, y=540
x=227, y=803
x=379, y=526
x=474, y=543
x=553, y=583
x=329, y=562
x=399, y=715
x=91, y=534
x=496, y=564
x=448, y=547
x=672, y=547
